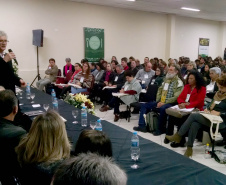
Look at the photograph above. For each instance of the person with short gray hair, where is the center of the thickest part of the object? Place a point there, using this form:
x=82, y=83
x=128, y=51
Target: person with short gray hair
x=68, y=67
x=119, y=66
x=191, y=66
x=216, y=70
x=89, y=169
x=212, y=87
x=145, y=75
x=8, y=79
x=2, y=33
x=10, y=135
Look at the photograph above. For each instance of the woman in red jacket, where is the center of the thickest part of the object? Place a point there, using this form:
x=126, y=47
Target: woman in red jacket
x=192, y=96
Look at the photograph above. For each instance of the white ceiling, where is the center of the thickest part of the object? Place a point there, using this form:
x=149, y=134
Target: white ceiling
x=210, y=9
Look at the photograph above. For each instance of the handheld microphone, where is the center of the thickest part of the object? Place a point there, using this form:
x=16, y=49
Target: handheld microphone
x=14, y=58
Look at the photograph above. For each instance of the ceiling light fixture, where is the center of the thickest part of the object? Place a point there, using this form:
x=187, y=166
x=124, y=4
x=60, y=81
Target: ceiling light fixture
x=130, y=0
x=190, y=9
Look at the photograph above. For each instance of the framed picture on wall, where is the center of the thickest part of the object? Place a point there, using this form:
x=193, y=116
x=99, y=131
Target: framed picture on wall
x=94, y=44
x=204, y=47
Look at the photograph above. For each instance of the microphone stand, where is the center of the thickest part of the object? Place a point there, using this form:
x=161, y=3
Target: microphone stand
x=38, y=74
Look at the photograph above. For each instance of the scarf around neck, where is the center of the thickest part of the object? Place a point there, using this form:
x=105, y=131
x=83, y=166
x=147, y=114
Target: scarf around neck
x=65, y=69
x=218, y=97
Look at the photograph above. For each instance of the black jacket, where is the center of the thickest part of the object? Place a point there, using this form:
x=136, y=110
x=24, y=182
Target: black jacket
x=120, y=81
x=111, y=78
x=10, y=136
x=7, y=77
x=134, y=71
x=211, y=94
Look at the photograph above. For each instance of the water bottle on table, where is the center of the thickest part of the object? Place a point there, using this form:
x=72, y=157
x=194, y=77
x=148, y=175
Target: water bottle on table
x=98, y=125
x=55, y=104
x=53, y=94
x=135, y=140
x=28, y=91
x=135, y=150
x=84, y=117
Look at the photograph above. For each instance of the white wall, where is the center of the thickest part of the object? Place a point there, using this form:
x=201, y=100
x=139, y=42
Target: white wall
x=189, y=30
x=127, y=32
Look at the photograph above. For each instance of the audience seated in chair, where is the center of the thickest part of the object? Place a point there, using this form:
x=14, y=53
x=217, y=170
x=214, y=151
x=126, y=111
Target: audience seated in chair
x=154, y=84
x=114, y=63
x=100, y=72
x=191, y=66
x=166, y=97
x=195, y=121
x=133, y=67
x=138, y=65
x=114, y=85
x=10, y=136
x=132, y=87
x=89, y=169
x=43, y=149
x=93, y=68
x=201, y=65
x=108, y=76
x=51, y=74
x=212, y=87
x=124, y=61
x=146, y=60
x=83, y=79
x=93, y=141
x=145, y=75
x=206, y=73
x=192, y=96
x=68, y=67
x=67, y=88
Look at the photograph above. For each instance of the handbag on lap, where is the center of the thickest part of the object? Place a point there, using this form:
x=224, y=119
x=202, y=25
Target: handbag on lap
x=176, y=113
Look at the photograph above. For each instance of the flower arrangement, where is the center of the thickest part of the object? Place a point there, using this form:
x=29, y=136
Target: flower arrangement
x=15, y=68
x=80, y=100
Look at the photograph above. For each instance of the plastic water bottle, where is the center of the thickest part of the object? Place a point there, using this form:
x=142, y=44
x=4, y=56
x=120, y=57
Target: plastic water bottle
x=84, y=117
x=53, y=94
x=28, y=91
x=55, y=104
x=207, y=151
x=98, y=125
x=135, y=140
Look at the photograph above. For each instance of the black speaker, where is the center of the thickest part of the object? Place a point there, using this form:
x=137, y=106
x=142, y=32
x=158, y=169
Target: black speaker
x=37, y=38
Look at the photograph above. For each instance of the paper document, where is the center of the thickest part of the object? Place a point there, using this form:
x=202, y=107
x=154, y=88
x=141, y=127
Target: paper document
x=74, y=85
x=183, y=110
x=143, y=91
x=33, y=113
x=36, y=105
x=119, y=94
x=60, y=85
x=108, y=87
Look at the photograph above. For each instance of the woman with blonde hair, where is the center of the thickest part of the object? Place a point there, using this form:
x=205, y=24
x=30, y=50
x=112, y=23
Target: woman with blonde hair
x=43, y=149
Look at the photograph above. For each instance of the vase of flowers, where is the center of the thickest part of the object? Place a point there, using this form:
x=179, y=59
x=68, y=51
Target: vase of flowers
x=80, y=100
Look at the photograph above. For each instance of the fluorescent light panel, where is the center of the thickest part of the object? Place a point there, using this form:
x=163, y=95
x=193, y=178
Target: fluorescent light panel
x=190, y=9
x=130, y=0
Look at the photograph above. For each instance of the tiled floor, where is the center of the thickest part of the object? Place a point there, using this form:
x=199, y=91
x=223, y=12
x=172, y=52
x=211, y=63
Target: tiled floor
x=198, y=149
